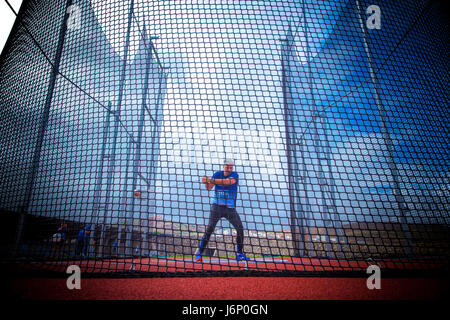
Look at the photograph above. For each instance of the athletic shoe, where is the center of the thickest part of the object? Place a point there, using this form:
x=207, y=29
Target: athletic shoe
x=198, y=258
x=241, y=257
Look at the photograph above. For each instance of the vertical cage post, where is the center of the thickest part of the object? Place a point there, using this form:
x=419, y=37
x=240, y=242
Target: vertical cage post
x=41, y=134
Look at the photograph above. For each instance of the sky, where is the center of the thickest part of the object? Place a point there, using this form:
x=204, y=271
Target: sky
x=214, y=75
x=7, y=19
x=230, y=65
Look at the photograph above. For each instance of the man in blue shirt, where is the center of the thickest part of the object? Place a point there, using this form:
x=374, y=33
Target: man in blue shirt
x=223, y=206
x=83, y=241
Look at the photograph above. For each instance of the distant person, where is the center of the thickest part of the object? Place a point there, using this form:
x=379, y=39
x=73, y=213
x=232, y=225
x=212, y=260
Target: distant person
x=83, y=241
x=58, y=239
x=223, y=206
x=115, y=246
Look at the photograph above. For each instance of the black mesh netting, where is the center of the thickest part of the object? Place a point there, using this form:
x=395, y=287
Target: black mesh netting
x=333, y=114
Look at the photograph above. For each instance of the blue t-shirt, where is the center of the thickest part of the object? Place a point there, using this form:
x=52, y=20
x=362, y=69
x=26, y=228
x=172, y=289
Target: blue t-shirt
x=226, y=195
x=83, y=236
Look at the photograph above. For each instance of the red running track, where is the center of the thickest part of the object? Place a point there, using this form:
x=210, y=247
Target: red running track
x=228, y=288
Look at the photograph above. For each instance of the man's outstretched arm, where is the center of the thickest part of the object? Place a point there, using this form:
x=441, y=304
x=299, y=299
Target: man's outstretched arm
x=210, y=183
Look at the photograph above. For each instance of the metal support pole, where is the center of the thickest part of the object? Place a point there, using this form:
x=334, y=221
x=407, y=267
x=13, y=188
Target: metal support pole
x=388, y=141
x=297, y=241
x=137, y=156
x=98, y=186
x=116, y=130
x=123, y=208
x=317, y=143
x=25, y=208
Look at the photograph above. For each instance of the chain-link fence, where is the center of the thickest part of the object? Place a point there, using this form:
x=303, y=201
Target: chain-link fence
x=117, y=117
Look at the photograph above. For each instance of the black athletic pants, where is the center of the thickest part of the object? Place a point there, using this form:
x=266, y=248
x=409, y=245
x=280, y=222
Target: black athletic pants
x=218, y=212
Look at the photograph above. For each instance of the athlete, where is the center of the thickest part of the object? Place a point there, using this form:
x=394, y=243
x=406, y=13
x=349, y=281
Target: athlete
x=83, y=241
x=223, y=206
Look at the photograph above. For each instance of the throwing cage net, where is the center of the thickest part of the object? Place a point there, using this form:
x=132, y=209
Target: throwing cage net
x=335, y=114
